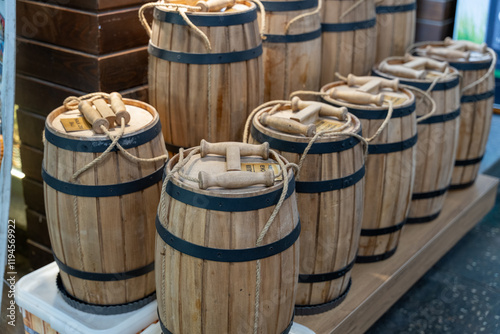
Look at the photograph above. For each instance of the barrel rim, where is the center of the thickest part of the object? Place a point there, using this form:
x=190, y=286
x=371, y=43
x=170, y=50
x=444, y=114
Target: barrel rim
x=454, y=61
x=226, y=193
x=96, y=137
x=352, y=106
x=297, y=138
x=454, y=75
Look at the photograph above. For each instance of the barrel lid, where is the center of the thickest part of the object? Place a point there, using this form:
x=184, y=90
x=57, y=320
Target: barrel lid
x=142, y=117
x=162, y=12
x=322, y=123
x=429, y=73
x=216, y=164
x=400, y=98
x=473, y=55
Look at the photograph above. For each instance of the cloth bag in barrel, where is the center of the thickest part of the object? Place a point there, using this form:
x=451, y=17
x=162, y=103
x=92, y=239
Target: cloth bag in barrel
x=387, y=114
x=475, y=63
x=205, y=71
x=329, y=188
x=101, y=206
x=227, y=252
x=438, y=134
x=292, y=48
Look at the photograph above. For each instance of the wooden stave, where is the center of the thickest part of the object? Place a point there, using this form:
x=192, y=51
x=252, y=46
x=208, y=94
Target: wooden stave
x=400, y=24
x=316, y=294
x=363, y=41
x=243, y=313
x=178, y=115
x=381, y=246
x=97, y=292
x=290, y=66
x=445, y=134
x=474, y=112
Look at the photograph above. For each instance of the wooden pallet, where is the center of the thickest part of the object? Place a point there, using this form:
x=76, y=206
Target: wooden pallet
x=377, y=286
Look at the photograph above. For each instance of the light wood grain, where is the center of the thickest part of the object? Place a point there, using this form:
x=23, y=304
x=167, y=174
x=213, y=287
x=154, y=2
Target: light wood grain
x=376, y=286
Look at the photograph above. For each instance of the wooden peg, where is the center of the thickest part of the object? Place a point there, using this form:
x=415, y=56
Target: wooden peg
x=353, y=80
x=261, y=150
x=288, y=126
x=357, y=96
x=447, y=53
x=93, y=117
x=324, y=109
x=234, y=180
x=402, y=71
x=119, y=108
x=465, y=45
x=215, y=5
x=103, y=108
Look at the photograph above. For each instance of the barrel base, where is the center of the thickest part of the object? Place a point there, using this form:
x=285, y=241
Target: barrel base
x=462, y=185
x=419, y=220
x=321, y=308
x=102, y=309
x=375, y=258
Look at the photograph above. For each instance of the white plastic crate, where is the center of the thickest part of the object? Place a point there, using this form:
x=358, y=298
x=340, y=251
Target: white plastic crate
x=37, y=295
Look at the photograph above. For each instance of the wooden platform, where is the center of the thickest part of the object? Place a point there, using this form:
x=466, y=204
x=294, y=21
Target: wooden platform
x=377, y=286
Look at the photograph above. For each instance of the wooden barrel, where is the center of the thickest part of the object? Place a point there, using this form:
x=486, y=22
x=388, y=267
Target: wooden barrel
x=348, y=43
x=202, y=94
x=207, y=255
x=330, y=201
x=1, y=150
x=437, y=140
x=390, y=167
x=101, y=225
x=396, y=25
x=476, y=108
x=292, y=59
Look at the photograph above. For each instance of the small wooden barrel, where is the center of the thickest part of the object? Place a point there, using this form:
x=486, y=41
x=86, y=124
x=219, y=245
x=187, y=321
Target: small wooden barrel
x=437, y=141
x=390, y=168
x=292, y=59
x=206, y=253
x=330, y=201
x=348, y=43
x=201, y=94
x=396, y=25
x=100, y=225
x=476, y=109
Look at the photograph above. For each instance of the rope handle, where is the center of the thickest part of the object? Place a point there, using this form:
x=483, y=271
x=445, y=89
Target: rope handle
x=487, y=74
x=350, y=9
x=301, y=16
x=428, y=97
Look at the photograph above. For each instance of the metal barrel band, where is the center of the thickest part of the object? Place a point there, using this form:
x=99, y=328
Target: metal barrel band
x=166, y=331
x=468, y=66
x=321, y=308
x=438, y=87
x=294, y=147
x=205, y=58
x=102, y=309
x=393, y=147
x=229, y=204
x=289, y=6
x=477, y=97
x=419, y=220
x=429, y=194
x=468, y=162
x=462, y=185
x=373, y=232
x=349, y=26
x=227, y=255
x=308, y=36
x=376, y=258
x=318, y=278
x=396, y=9
x=203, y=20
x=99, y=146
x=442, y=118
x=173, y=148
x=30, y=330
x=310, y=187
x=108, y=190
x=104, y=277
x=381, y=114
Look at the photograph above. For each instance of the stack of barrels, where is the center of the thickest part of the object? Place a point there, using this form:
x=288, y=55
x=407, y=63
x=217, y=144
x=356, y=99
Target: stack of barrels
x=254, y=164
